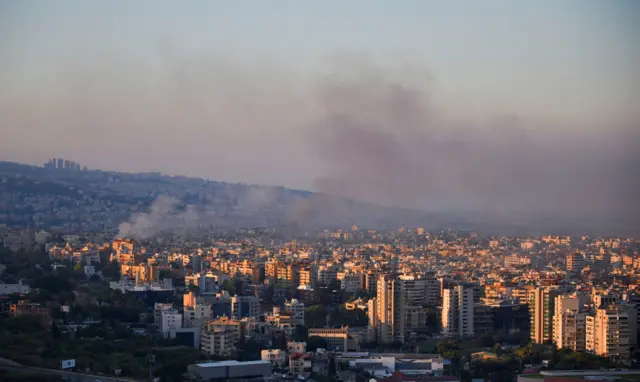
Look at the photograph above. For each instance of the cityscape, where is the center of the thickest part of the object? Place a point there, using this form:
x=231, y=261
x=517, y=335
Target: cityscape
x=319, y=191
x=268, y=303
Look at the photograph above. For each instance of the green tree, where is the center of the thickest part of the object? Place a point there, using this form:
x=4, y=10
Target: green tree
x=112, y=271
x=300, y=333
x=229, y=286
x=314, y=343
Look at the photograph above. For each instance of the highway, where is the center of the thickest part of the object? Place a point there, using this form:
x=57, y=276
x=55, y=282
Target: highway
x=68, y=375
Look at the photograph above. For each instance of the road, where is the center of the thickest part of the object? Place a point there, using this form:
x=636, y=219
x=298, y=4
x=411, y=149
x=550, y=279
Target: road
x=69, y=375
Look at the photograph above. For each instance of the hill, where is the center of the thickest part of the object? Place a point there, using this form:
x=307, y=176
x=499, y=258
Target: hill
x=144, y=204
x=150, y=202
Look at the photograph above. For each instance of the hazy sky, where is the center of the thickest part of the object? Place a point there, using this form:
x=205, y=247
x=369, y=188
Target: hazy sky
x=231, y=90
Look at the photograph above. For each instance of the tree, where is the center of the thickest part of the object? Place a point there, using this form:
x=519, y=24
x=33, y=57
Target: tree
x=315, y=316
x=229, y=286
x=269, y=293
x=249, y=350
x=315, y=342
x=487, y=340
x=164, y=274
x=283, y=342
x=112, y=271
x=395, y=345
x=55, y=331
x=332, y=366
x=300, y=333
x=524, y=352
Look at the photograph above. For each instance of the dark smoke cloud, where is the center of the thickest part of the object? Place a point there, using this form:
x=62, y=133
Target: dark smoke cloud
x=385, y=143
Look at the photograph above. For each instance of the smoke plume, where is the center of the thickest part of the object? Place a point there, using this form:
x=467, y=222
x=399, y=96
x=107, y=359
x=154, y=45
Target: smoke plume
x=385, y=143
x=360, y=131
x=166, y=214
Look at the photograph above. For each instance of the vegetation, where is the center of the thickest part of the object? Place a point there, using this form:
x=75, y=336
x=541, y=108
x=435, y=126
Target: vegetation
x=316, y=316
x=100, y=348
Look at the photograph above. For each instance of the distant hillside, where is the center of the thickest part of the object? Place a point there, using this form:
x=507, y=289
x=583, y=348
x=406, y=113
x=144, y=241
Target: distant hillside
x=147, y=203
x=101, y=200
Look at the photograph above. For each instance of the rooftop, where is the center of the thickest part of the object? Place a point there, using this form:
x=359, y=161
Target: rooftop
x=232, y=363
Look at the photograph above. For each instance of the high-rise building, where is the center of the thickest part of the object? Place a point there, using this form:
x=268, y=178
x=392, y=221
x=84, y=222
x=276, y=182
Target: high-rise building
x=542, y=310
x=398, y=307
x=432, y=289
x=575, y=263
x=458, y=311
x=633, y=299
x=603, y=300
x=371, y=281
x=196, y=263
x=568, y=323
x=389, y=309
x=611, y=331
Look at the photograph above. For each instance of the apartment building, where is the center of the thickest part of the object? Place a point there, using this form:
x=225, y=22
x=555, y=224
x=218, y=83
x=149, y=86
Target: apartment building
x=338, y=339
x=575, y=263
x=542, y=310
x=458, y=311
x=611, y=331
x=245, y=306
x=296, y=308
x=569, y=324
x=220, y=337
x=170, y=320
x=390, y=305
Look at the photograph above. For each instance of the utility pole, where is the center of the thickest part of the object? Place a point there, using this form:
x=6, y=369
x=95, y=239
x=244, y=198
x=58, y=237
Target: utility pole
x=151, y=359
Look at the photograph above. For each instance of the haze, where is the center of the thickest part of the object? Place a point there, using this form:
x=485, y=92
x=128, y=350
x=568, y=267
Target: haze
x=519, y=108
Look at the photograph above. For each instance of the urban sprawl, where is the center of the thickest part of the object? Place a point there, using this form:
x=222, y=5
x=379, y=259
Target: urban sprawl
x=347, y=304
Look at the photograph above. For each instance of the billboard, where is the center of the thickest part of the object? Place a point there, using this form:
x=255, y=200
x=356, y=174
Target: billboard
x=68, y=364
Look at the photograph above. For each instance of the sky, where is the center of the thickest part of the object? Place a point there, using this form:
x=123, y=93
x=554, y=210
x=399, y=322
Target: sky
x=429, y=104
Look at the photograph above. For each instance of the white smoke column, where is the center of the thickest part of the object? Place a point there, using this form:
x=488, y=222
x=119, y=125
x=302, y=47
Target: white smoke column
x=162, y=215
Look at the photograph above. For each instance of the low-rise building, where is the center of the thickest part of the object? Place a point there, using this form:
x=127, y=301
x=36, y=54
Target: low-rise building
x=19, y=288
x=231, y=370
x=300, y=363
x=277, y=357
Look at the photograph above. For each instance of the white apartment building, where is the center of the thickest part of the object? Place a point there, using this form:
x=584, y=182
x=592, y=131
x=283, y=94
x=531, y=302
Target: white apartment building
x=158, y=308
x=297, y=308
x=569, y=330
x=170, y=320
x=457, y=311
x=568, y=323
x=195, y=316
x=612, y=331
